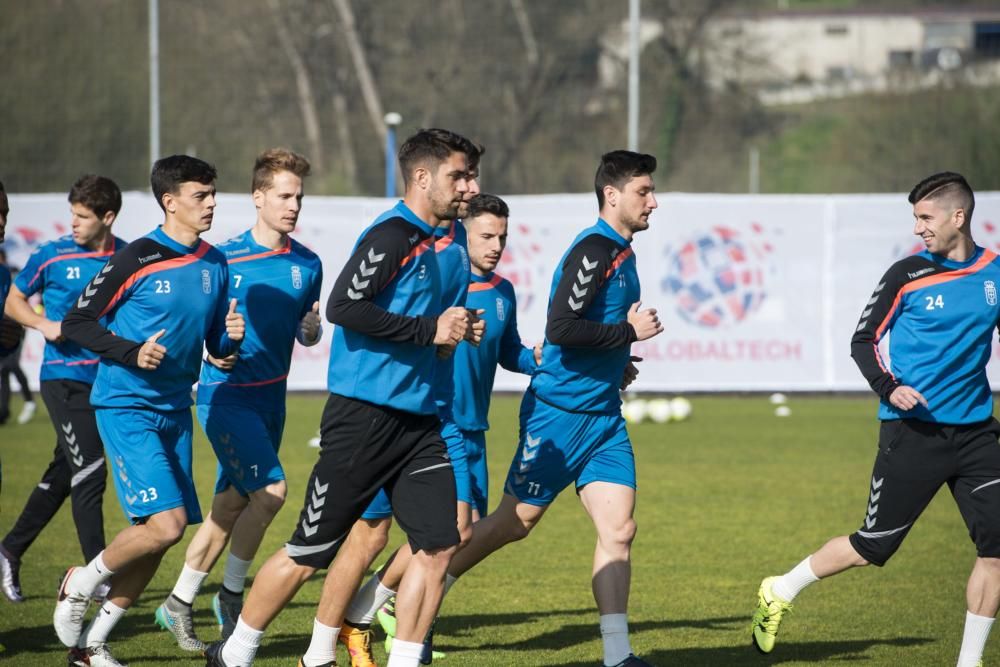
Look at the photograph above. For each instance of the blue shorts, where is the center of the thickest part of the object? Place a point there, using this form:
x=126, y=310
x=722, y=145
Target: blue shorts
x=246, y=443
x=557, y=447
x=150, y=452
x=381, y=508
x=479, y=475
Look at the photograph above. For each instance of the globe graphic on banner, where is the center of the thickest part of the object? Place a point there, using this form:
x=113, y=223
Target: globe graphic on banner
x=717, y=278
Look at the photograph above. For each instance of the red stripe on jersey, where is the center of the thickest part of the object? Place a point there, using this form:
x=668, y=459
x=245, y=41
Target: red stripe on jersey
x=447, y=239
x=75, y=255
x=619, y=260
x=489, y=284
x=280, y=251
x=203, y=248
x=248, y=384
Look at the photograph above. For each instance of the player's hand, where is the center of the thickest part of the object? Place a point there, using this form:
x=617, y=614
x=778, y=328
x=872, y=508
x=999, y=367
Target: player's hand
x=445, y=351
x=452, y=326
x=477, y=327
x=151, y=353
x=235, y=326
x=51, y=330
x=645, y=322
x=631, y=372
x=538, y=354
x=225, y=363
x=310, y=324
x=906, y=398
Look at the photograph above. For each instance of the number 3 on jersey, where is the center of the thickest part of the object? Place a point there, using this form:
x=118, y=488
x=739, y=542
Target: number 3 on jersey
x=934, y=302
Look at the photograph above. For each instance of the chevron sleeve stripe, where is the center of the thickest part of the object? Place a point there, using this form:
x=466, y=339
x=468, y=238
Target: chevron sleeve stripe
x=584, y=273
x=373, y=265
x=876, y=319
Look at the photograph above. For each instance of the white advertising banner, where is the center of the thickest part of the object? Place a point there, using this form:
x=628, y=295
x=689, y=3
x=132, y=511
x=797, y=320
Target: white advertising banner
x=756, y=292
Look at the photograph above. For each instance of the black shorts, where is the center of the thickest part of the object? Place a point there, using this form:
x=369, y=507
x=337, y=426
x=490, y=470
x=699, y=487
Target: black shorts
x=363, y=448
x=914, y=459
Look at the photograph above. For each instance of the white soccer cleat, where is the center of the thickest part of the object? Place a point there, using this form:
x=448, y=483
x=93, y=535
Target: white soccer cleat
x=98, y=655
x=27, y=412
x=69, y=613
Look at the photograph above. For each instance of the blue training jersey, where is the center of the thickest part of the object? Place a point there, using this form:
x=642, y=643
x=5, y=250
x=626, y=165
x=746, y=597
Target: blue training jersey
x=587, y=335
x=476, y=367
x=154, y=283
x=4, y=285
x=942, y=315
x=385, y=304
x=277, y=288
x=452, y=250
x=59, y=270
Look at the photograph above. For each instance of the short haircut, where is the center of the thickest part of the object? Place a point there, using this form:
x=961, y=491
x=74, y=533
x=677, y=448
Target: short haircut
x=429, y=148
x=618, y=167
x=484, y=203
x=273, y=161
x=169, y=172
x=946, y=185
x=1, y=187
x=98, y=193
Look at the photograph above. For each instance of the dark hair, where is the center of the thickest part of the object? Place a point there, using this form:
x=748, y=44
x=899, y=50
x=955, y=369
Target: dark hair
x=274, y=160
x=618, y=167
x=98, y=193
x=946, y=185
x=1, y=187
x=484, y=203
x=429, y=148
x=169, y=172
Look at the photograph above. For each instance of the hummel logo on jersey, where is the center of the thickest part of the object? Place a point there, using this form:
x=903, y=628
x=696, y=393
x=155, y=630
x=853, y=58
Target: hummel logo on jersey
x=360, y=279
x=579, y=291
x=150, y=258
x=991, y=292
x=921, y=272
x=314, y=509
x=414, y=238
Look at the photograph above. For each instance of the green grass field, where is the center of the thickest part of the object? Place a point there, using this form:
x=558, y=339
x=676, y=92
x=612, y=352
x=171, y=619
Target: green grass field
x=730, y=496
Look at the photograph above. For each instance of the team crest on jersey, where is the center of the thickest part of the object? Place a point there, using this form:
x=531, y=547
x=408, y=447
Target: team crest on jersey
x=500, y=311
x=296, y=277
x=991, y=292
x=423, y=272
x=206, y=281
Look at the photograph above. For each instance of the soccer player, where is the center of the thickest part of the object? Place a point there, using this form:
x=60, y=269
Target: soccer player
x=370, y=534
x=241, y=400
x=163, y=297
x=485, y=224
x=571, y=427
x=379, y=427
x=59, y=270
x=4, y=285
x=936, y=411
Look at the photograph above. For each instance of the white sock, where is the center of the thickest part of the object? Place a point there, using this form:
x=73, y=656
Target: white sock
x=101, y=625
x=188, y=584
x=235, y=576
x=85, y=579
x=614, y=632
x=367, y=601
x=449, y=581
x=323, y=646
x=242, y=646
x=790, y=584
x=405, y=654
x=977, y=629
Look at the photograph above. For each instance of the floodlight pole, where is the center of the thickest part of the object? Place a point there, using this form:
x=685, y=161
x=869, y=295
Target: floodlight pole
x=392, y=121
x=633, y=75
x=154, y=80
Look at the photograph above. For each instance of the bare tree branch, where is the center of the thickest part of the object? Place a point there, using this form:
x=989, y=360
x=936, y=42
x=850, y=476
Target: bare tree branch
x=368, y=91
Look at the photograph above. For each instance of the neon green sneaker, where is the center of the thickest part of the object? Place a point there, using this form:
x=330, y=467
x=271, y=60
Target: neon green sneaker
x=767, y=617
x=386, y=616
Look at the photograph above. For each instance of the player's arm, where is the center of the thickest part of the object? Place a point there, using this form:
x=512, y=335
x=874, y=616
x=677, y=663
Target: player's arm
x=373, y=266
x=584, y=274
x=29, y=282
x=226, y=333
x=514, y=356
x=104, y=292
x=877, y=318
x=310, y=329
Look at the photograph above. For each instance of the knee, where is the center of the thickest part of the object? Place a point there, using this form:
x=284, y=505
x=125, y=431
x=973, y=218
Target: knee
x=375, y=536
x=618, y=538
x=270, y=499
x=167, y=529
x=518, y=528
